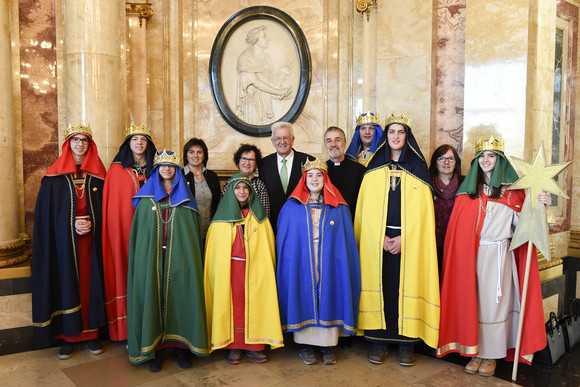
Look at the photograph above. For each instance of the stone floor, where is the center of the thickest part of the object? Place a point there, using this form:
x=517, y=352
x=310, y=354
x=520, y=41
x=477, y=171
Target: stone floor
x=284, y=368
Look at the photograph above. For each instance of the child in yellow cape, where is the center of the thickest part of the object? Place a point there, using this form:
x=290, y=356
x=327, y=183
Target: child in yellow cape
x=240, y=276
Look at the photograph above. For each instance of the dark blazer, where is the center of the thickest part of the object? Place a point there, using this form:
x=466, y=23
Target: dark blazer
x=214, y=186
x=271, y=177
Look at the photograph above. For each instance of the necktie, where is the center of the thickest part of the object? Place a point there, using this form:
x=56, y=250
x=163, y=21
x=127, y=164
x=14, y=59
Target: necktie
x=284, y=175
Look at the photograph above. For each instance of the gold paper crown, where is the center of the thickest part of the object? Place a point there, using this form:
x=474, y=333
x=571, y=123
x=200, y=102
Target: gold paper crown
x=492, y=145
x=367, y=118
x=167, y=158
x=400, y=119
x=79, y=129
x=314, y=164
x=134, y=129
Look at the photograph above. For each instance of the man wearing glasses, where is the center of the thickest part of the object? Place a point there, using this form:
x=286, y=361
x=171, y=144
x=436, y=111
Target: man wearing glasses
x=281, y=171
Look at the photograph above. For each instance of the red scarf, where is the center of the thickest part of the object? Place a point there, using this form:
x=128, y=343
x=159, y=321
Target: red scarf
x=332, y=196
x=65, y=164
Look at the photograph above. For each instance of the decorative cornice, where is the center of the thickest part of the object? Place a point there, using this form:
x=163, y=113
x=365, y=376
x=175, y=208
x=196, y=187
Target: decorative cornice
x=574, y=239
x=14, y=252
x=365, y=6
x=548, y=264
x=142, y=10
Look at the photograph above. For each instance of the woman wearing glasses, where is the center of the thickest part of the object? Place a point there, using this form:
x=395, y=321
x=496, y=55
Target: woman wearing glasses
x=247, y=158
x=445, y=169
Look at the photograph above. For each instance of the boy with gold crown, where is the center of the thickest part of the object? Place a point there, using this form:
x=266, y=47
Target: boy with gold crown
x=319, y=270
x=67, y=296
x=130, y=169
x=366, y=138
x=395, y=232
x=482, y=279
x=165, y=303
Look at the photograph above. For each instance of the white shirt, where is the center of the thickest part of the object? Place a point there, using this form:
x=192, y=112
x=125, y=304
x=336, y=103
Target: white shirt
x=289, y=161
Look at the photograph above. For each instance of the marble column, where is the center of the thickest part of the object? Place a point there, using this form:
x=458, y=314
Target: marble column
x=369, y=57
x=93, y=80
x=137, y=74
x=12, y=245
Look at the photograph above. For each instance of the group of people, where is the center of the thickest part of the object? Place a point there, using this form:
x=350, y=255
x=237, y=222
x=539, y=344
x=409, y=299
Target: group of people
x=372, y=242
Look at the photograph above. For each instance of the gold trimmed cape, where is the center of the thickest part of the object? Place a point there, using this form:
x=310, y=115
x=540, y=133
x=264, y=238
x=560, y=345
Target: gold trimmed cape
x=262, y=325
x=419, y=285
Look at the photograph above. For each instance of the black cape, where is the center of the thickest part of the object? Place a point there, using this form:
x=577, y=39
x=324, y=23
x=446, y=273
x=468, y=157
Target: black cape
x=56, y=304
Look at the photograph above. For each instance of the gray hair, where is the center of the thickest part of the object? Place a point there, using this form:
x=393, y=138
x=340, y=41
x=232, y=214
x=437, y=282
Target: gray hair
x=282, y=124
x=334, y=129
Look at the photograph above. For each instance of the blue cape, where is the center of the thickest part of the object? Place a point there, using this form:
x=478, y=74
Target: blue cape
x=180, y=194
x=335, y=301
x=355, y=144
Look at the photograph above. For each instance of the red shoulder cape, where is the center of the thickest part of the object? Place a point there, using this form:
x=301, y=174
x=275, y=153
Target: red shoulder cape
x=459, y=322
x=121, y=185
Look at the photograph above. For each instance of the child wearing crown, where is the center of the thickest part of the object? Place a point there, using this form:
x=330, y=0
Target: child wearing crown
x=67, y=297
x=128, y=172
x=395, y=231
x=318, y=269
x=239, y=276
x=482, y=279
x=366, y=138
x=165, y=305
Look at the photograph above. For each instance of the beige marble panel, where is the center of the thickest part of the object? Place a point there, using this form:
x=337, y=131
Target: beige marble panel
x=575, y=197
x=410, y=95
x=9, y=208
x=495, y=73
x=404, y=73
x=540, y=90
x=550, y=305
x=15, y=311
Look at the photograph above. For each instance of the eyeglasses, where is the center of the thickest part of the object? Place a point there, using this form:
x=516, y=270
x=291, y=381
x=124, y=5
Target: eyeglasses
x=443, y=159
x=280, y=139
x=247, y=159
x=76, y=140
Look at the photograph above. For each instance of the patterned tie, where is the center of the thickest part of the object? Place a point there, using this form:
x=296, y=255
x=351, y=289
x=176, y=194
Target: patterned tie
x=284, y=175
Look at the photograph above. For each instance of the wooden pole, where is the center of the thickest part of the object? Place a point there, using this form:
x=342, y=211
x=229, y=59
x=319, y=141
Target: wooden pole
x=522, y=311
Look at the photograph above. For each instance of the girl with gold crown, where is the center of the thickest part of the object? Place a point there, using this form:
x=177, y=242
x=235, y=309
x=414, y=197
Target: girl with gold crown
x=67, y=294
x=165, y=306
x=318, y=269
x=482, y=279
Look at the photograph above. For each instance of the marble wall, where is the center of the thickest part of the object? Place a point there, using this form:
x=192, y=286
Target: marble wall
x=38, y=96
x=448, y=80
x=180, y=37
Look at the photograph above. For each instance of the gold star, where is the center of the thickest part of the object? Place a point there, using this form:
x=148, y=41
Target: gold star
x=538, y=177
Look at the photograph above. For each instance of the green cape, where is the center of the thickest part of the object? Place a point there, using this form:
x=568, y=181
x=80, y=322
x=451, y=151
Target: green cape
x=165, y=300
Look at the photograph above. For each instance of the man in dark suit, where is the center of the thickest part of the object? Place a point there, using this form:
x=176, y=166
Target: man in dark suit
x=345, y=174
x=282, y=170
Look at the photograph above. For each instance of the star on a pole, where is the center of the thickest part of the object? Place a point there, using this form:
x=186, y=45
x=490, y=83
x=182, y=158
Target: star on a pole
x=536, y=178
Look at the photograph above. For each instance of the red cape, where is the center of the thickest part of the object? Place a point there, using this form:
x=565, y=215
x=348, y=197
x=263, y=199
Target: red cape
x=121, y=185
x=459, y=322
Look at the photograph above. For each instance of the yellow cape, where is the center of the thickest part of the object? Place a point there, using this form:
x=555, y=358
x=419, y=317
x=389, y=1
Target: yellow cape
x=419, y=284
x=261, y=309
